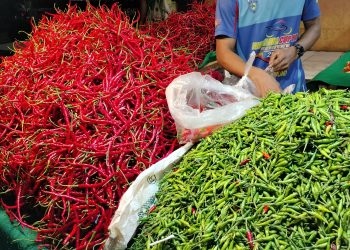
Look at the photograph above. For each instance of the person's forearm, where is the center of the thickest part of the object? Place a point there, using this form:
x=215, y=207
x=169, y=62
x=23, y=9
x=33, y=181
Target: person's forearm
x=230, y=61
x=311, y=34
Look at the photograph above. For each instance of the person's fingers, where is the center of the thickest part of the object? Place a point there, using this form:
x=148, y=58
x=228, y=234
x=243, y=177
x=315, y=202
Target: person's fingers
x=264, y=83
x=274, y=85
x=283, y=65
x=275, y=59
x=262, y=90
x=277, y=88
x=278, y=67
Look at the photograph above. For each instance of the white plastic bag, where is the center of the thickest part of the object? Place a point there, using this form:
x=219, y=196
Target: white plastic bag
x=199, y=104
x=137, y=200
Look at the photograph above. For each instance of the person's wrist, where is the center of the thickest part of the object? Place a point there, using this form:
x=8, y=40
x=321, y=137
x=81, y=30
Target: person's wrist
x=294, y=52
x=299, y=50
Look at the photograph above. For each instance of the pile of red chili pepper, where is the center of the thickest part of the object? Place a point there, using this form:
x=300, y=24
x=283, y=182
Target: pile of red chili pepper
x=82, y=113
x=192, y=31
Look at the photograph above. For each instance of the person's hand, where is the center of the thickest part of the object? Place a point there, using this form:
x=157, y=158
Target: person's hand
x=281, y=59
x=264, y=82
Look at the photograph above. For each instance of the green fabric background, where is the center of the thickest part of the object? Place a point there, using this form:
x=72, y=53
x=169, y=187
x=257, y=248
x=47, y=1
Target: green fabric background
x=13, y=236
x=334, y=74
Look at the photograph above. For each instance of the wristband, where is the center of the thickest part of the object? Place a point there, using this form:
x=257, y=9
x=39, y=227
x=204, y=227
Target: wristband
x=300, y=50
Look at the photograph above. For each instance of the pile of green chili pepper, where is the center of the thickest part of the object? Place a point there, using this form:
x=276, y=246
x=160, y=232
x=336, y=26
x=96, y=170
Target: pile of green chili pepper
x=278, y=178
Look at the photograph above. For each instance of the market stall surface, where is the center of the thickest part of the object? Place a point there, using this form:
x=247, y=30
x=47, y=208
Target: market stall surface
x=316, y=61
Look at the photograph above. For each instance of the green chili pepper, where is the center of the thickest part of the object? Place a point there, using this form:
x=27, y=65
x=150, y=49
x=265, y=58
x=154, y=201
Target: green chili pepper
x=304, y=181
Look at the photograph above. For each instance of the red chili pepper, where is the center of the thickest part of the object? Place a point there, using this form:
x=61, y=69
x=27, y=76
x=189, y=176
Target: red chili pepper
x=83, y=112
x=244, y=162
x=152, y=209
x=266, y=155
x=328, y=123
x=193, y=210
x=347, y=67
x=250, y=239
x=216, y=75
x=197, y=37
x=333, y=246
x=344, y=107
x=266, y=209
x=69, y=236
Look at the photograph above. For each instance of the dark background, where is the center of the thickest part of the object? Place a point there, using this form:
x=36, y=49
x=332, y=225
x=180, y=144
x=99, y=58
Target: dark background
x=15, y=15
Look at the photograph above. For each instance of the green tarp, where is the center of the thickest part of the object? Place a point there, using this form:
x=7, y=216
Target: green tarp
x=334, y=74
x=13, y=236
x=210, y=57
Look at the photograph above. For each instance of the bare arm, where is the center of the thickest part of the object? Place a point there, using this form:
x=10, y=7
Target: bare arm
x=281, y=59
x=234, y=64
x=312, y=33
x=227, y=58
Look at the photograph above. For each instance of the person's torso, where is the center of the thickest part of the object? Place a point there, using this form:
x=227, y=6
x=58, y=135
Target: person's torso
x=267, y=25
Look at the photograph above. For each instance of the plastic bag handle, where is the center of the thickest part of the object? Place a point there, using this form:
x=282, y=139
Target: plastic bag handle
x=245, y=82
x=249, y=63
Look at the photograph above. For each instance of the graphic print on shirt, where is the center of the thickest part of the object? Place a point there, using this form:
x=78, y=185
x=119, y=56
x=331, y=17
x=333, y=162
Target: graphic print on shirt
x=279, y=35
x=264, y=26
x=253, y=4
